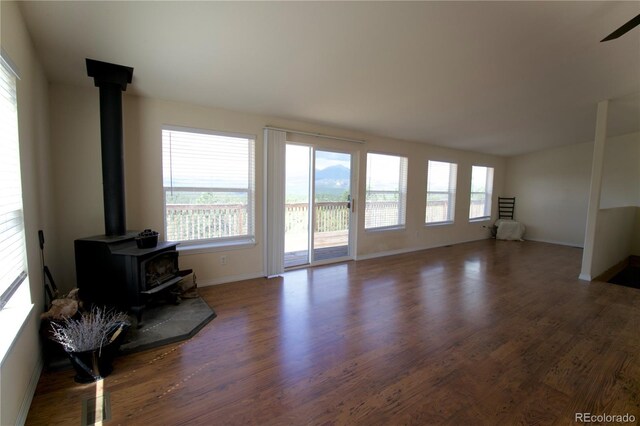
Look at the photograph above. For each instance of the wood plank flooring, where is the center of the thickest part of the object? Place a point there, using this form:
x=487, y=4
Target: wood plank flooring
x=490, y=332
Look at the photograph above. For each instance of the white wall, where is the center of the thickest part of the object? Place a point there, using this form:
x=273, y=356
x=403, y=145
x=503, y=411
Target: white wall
x=552, y=187
x=621, y=172
x=417, y=235
x=75, y=138
x=552, y=192
x=614, y=238
x=615, y=234
x=21, y=366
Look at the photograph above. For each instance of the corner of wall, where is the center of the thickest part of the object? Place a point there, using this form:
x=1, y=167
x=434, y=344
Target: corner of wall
x=635, y=245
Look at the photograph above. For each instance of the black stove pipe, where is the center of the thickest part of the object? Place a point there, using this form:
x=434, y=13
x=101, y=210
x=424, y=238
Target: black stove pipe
x=112, y=80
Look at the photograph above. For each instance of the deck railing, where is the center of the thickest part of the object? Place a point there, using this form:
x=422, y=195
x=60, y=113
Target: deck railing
x=330, y=216
x=198, y=222
x=192, y=222
x=437, y=211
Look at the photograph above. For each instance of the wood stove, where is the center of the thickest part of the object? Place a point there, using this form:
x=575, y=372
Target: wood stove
x=114, y=271
x=111, y=269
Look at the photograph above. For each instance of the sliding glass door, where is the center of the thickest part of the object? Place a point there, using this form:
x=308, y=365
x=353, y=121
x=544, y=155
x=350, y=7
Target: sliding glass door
x=296, y=209
x=318, y=206
x=332, y=199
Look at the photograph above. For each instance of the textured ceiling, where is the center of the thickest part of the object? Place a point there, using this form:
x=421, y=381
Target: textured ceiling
x=500, y=78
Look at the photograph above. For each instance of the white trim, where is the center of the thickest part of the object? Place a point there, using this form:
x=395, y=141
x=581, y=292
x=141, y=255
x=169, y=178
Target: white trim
x=30, y=392
x=355, y=199
x=480, y=219
x=441, y=223
x=393, y=252
x=14, y=320
x=243, y=277
x=386, y=228
x=210, y=247
x=265, y=191
x=311, y=237
x=412, y=249
x=595, y=189
x=560, y=243
x=585, y=277
x=275, y=152
x=318, y=135
x=230, y=279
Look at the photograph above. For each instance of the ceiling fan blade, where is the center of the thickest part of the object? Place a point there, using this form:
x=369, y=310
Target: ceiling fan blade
x=623, y=29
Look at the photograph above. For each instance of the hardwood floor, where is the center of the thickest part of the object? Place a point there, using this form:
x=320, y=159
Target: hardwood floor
x=490, y=332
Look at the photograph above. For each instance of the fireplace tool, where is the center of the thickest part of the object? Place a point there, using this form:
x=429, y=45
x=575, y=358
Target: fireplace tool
x=50, y=288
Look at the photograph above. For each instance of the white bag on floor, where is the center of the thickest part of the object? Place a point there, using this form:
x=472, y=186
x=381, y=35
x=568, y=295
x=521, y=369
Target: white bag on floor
x=509, y=230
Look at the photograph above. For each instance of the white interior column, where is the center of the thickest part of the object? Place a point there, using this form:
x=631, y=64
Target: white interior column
x=274, y=191
x=594, y=193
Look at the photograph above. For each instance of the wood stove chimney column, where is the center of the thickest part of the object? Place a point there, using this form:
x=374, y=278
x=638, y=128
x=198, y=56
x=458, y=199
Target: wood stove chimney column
x=112, y=80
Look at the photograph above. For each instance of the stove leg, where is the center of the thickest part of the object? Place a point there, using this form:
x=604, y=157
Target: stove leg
x=137, y=311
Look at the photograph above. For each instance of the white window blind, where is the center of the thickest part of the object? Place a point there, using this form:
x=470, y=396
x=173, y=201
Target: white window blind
x=441, y=192
x=481, y=190
x=386, y=191
x=209, y=185
x=13, y=264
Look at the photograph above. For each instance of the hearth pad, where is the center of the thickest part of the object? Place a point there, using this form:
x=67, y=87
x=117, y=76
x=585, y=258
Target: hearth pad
x=166, y=323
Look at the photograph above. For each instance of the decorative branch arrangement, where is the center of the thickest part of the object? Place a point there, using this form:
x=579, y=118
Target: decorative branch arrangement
x=93, y=330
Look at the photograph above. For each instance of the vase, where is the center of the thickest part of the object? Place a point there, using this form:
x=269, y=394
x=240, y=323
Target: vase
x=97, y=363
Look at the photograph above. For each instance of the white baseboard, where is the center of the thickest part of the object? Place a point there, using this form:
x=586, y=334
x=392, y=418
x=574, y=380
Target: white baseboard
x=412, y=249
x=390, y=253
x=30, y=392
x=229, y=279
x=560, y=243
x=241, y=277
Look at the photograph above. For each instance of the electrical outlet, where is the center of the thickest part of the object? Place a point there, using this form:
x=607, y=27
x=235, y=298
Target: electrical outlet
x=223, y=260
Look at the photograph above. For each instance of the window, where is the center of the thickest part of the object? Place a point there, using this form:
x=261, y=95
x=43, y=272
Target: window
x=209, y=182
x=481, y=189
x=13, y=268
x=441, y=192
x=386, y=196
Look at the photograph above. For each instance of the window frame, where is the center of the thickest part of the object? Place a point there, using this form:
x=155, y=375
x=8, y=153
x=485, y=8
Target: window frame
x=451, y=194
x=14, y=217
x=206, y=245
x=487, y=193
x=403, y=172
x=15, y=297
